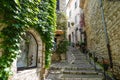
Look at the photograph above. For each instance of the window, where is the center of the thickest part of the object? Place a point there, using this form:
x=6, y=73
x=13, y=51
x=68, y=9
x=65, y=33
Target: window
x=68, y=24
x=70, y=14
x=75, y=4
x=58, y=8
x=28, y=56
x=76, y=19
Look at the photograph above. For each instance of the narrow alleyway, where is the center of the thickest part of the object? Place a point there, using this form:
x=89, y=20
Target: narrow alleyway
x=76, y=67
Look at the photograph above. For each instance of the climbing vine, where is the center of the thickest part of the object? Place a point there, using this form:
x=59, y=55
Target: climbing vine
x=19, y=15
x=61, y=22
x=47, y=21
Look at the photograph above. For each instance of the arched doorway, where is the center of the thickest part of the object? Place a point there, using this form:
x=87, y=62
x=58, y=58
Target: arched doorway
x=29, y=52
x=30, y=64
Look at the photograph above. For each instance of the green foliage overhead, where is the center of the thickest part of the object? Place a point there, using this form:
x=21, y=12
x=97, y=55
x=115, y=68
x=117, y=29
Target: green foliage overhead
x=48, y=23
x=61, y=21
x=62, y=47
x=19, y=15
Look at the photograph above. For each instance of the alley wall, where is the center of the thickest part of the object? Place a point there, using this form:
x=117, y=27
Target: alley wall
x=95, y=30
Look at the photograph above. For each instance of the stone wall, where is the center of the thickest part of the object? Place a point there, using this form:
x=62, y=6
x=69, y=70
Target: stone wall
x=95, y=30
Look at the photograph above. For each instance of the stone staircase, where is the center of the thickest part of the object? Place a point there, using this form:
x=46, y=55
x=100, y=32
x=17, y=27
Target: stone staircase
x=81, y=73
x=79, y=69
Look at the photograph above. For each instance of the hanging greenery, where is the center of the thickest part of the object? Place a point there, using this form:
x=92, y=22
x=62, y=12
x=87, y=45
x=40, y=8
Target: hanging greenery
x=61, y=22
x=19, y=15
x=48, y=23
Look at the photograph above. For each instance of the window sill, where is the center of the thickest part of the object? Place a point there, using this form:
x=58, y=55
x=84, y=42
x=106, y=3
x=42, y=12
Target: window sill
x=28, y=71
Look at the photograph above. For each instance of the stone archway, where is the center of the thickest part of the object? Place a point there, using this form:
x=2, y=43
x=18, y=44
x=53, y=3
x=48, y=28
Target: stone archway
x=41, y=52
x=32, y=72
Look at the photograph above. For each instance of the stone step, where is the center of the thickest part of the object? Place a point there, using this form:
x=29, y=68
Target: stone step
x=56, y=67
x=81, y=61
x=72, y=68
x=81, y=77
x=55, y=71
x=79, y=55
x=59, y=76
x=73, y=77
x=80, y=72
x=73, y=65
x=79, y=58
x=80, y=68
x=54, y=76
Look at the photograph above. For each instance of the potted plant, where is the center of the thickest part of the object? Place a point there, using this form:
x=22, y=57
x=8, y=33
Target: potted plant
x=72, y=23
x=105, y=64
x=62, y=48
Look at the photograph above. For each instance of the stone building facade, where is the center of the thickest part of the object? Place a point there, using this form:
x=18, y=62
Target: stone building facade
x=61, y=5
x=96, y=38
x=73, y=13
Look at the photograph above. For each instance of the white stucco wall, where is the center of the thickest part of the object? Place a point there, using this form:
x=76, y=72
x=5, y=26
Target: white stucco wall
x=62, y=4
x=67, y=1
x=74, y=12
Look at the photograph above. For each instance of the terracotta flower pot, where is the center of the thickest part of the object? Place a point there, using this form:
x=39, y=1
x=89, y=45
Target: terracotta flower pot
x=105, y=64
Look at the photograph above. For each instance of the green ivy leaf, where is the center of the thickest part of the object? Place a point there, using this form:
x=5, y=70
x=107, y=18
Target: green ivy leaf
x=39, y=0
x=40, y=16
x=17, y=2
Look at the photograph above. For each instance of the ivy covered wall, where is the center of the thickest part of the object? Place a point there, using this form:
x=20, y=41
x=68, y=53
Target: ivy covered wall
x=19, y=15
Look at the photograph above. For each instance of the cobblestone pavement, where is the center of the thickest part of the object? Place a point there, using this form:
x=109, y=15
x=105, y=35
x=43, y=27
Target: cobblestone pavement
x=76, y=67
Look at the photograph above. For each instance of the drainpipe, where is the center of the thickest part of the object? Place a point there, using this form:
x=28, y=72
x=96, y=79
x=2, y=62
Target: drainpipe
x=106, y=34
x=80, y=34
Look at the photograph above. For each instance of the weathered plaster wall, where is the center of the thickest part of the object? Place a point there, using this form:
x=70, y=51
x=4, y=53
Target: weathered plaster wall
x=62, y=4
